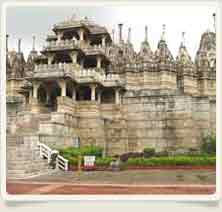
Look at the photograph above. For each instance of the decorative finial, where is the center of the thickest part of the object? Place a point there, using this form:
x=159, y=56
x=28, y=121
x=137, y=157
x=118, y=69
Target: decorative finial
x=120, y=32
x=7, y=36
x=73, y=17
x=113, y=35
x=146, y=33
x=129, y=35
x=33, y=43
x=214, y=19
x=19, y=45
x=163, y=32
x=183, y=39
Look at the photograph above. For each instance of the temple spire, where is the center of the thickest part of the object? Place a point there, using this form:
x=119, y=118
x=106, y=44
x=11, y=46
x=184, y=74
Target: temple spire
x=73, y=17
x=7, y=36
x=146, y=34
x=163, y=32
x=214, y=20
x=33, y=43
x=129, y=35
x=113, y=35
x=183, y=39
x=120, y=32
x=19, y=45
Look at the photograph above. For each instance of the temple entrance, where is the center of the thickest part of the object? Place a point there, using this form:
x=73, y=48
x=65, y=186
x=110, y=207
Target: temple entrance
x=83, y=93
x=55, y=91
x=48, y=93
x=108, y=96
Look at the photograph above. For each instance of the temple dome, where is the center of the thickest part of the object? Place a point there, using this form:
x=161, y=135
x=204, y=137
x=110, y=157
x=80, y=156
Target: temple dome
x=145, y=52
x=206, y=54
x=183, y=56
x=163, y=54
x=17, y=63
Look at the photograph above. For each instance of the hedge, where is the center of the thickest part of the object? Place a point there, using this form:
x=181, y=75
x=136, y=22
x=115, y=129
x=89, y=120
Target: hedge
x=172, y=161
x=208, y=145
x=103, y=161
x=73, y=152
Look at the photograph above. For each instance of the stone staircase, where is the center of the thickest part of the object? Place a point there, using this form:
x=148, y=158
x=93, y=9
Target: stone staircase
x=23, y=158
x=29, y=122
x=23, y=139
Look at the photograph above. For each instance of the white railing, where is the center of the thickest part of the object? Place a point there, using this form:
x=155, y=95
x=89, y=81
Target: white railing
x=81, y=72
x=62, y=43
x=62, y=163
x=45, y=152
x=46, y=67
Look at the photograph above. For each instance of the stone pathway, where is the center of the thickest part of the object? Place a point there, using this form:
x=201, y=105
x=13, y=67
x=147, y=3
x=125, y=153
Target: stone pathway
x=123, y=182
x=131, y=177
x=65, y=188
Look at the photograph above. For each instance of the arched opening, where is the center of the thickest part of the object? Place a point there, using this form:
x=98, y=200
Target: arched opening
x=42, y=95
x=108, y=96
x=83, y=93
x=120, y=53
x=55, y=91
x=69, y=89
x=61, y=57
x=70, y=34
x=89, y=62
x=48, y=93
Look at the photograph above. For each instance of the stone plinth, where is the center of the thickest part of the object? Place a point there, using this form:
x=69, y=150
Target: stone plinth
x=65, y=105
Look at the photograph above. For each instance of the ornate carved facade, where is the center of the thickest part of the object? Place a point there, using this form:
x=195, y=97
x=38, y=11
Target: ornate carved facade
x=84, y=85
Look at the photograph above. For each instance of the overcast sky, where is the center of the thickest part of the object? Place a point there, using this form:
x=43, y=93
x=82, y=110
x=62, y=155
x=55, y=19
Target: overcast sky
x=23, y=22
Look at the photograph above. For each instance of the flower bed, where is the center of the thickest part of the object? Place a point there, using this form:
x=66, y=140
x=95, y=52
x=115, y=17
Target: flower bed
x=171, y=162
x=139, y=160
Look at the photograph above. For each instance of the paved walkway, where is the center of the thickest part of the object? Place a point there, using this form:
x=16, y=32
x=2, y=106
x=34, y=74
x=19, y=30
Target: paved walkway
x=123, y=182
x=65, y=188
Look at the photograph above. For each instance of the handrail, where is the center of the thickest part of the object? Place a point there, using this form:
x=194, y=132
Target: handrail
x=46, y=152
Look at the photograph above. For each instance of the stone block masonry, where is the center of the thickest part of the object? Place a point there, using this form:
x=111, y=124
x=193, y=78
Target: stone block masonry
x=84, y=85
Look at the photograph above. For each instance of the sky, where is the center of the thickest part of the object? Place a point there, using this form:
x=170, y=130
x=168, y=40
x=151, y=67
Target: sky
x=24, y=22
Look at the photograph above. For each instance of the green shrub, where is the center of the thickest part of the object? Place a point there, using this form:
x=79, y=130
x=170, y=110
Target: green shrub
x=73, y=161
x=92, y=150
x=148, y=152
x=172, y=161
x=103, y=161
x=72, y=153
x=209, y=145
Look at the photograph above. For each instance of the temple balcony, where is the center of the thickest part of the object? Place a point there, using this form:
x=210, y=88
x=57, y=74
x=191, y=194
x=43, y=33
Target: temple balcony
x=55, y=70
x=112, y=80
x=76, y=44
x=95, y=50
x=61, y=45
x=78, y=74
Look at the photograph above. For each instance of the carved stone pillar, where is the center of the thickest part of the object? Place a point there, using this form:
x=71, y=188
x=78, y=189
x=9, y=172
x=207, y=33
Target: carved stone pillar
x=81, y=34
x=99, y=96
x=35, y=89
x=47, y=96
x=30, y=95
x=93, y=92
x=59, y=36
x=117, y=96
x=50, y=59
x=103, y=41
x=99, y=61
x=73, y=55
x=74, y=94
x=62, y=84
